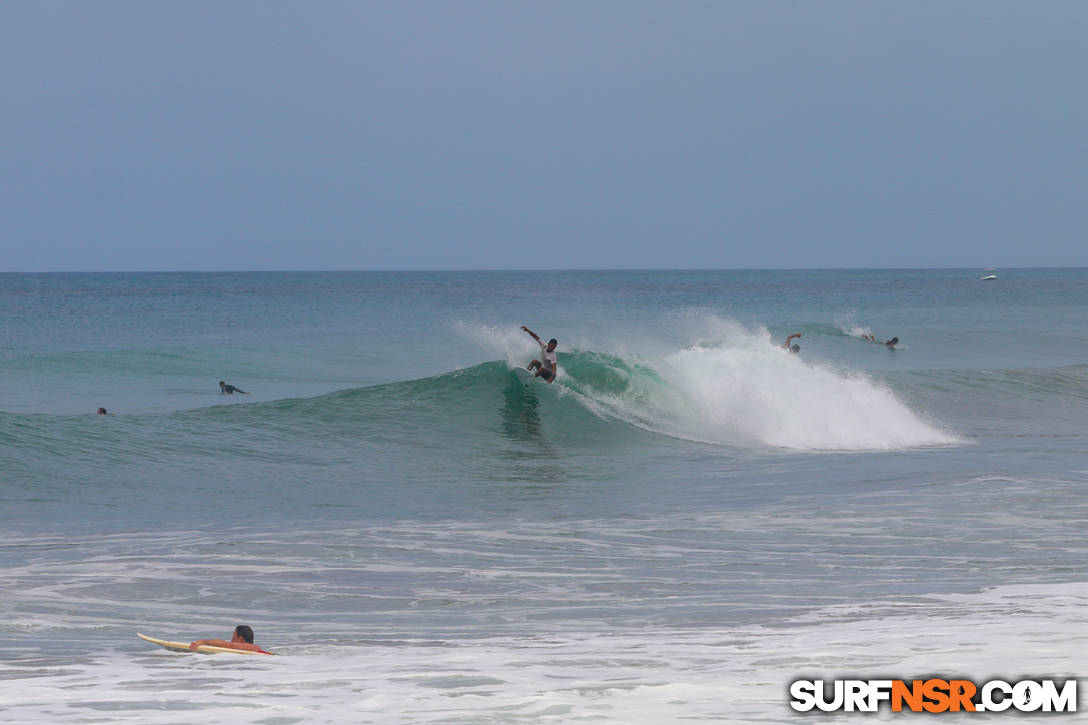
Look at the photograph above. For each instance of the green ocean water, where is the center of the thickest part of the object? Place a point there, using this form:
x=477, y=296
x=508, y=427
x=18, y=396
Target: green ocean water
x=431, y=541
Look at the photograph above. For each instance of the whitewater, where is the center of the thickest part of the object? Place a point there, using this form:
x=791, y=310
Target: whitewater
x=737, y=388
x=690, y=518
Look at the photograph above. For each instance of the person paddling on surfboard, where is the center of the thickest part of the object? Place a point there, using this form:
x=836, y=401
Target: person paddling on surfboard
x=241, y=639
x=228, y=389
x=547, y=365
x=889, y=343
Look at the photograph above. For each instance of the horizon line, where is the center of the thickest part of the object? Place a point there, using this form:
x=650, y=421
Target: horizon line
x=515, y=269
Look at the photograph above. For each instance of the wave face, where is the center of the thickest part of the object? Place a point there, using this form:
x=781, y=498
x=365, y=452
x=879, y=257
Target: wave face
x=739, y=389
x=744, y=394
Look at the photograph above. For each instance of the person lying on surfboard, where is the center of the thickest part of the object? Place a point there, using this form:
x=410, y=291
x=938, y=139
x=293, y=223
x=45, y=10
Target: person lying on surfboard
x=890, y=343
x=228, y=389
x=547, y=365
x=241, y=639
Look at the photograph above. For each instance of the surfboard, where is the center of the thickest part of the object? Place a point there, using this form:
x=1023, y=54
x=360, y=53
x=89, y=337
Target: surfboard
x=524, y=375
x=205, y=649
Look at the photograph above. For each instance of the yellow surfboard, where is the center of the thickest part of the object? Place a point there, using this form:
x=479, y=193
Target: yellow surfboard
x=204, y=649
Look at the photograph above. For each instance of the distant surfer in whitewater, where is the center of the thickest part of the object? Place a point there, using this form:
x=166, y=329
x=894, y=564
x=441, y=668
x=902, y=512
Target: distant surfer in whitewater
x=242, y=638
x=792, y=348
x=547, y=365
x=227, y=389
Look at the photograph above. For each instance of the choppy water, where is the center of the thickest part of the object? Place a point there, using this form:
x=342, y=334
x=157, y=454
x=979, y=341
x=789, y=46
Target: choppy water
x=688, y=520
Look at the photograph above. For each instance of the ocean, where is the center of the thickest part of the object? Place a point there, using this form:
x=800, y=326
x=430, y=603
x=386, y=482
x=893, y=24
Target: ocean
x=688, y=520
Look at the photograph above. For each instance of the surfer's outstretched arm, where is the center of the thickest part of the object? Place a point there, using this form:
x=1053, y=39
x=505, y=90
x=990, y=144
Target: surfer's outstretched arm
x=531, y=333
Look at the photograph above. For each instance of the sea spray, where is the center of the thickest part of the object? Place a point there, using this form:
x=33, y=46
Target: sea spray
x=749, y=392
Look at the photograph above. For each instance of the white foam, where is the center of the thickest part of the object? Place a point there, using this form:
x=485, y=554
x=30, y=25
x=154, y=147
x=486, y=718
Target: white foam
x=745, y=390
x=652, y=675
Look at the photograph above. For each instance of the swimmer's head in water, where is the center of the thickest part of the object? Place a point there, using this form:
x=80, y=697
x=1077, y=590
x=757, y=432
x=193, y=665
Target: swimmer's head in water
x=893, y=341
x=245, y=632
x=102, y=411
x=795, y=348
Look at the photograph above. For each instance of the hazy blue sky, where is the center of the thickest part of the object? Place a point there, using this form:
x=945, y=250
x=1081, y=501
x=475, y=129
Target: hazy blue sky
x=588, y=134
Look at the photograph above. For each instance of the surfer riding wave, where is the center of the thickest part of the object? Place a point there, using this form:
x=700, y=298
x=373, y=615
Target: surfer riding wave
x=548, y=364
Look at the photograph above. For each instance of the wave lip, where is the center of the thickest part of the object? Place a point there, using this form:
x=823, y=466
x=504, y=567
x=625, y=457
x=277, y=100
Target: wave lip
x=749, y=393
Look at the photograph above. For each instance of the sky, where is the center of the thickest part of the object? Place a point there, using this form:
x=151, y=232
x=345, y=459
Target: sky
x=560, y=134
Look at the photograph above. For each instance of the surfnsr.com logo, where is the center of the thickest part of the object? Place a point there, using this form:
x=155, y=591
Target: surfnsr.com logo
x=933, y=695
